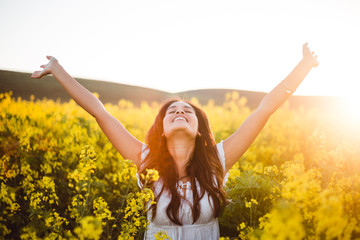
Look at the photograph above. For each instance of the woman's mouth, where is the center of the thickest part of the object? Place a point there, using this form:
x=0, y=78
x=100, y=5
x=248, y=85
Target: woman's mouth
x=180, y=119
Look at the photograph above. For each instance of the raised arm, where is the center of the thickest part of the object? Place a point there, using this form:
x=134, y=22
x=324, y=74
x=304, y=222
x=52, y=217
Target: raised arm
x=126, y=144
x=236, y=145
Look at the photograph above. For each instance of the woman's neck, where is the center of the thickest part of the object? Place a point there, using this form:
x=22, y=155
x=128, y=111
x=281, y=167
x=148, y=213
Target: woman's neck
x=181, y=149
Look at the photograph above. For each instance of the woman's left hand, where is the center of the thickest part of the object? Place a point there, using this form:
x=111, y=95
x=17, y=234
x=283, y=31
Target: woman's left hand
x=310, y=56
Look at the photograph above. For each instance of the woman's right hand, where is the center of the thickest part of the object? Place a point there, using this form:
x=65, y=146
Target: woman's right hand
x=47, y=69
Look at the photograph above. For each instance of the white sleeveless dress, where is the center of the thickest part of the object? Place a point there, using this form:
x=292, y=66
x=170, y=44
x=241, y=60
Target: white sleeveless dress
x=206, y=227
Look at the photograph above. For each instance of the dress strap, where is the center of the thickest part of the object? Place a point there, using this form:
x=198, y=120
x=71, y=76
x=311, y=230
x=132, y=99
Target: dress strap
x=144, y=152
x=221, y=155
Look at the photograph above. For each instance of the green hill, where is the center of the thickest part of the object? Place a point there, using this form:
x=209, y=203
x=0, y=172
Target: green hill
x=22, y=85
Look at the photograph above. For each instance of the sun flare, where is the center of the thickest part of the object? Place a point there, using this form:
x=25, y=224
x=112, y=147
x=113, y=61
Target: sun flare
x=352, y=107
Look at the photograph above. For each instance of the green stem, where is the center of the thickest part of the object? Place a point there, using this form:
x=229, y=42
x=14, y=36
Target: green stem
x=121, y=206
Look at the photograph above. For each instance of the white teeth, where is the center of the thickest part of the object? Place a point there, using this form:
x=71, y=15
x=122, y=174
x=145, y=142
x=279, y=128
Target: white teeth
x=179, y=118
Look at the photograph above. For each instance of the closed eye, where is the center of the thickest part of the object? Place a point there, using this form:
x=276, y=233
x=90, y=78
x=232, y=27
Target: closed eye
x=175, y=112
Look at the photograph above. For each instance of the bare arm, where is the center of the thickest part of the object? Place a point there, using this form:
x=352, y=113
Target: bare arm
x=126, y=144
x=236, y=145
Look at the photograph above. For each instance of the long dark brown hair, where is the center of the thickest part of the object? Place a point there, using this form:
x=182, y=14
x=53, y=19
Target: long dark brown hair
x=205, y=167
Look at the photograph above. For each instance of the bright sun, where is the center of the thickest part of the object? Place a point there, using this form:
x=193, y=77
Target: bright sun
x=342, y=117
x=352, y=106
x=350, y=114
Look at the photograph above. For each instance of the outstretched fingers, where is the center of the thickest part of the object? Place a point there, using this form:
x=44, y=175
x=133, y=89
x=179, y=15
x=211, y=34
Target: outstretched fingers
x=46, y=68
x=36, y=74
x=307, y=53
x=306, y=48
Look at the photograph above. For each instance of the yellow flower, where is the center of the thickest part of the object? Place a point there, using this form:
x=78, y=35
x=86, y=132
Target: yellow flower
x=162, y=235
x=152, y=175
x=247, y=204
x=90, y=228
x=242, y=225
x=283, y=216
x=101, y=209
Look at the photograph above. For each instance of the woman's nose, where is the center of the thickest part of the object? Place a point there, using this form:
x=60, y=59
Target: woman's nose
x=179, y=110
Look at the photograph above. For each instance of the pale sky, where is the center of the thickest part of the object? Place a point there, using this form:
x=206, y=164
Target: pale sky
x=185, y=45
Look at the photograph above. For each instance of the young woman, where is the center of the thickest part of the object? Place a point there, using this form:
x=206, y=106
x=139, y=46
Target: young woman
x=180, y=145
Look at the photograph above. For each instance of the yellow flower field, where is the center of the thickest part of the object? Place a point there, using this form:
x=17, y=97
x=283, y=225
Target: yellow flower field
x=61, y=178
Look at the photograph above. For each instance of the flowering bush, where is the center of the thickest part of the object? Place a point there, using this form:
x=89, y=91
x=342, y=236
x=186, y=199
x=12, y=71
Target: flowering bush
x=61, y=178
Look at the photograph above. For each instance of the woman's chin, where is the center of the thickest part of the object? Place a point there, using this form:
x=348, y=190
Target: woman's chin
x=180, y=132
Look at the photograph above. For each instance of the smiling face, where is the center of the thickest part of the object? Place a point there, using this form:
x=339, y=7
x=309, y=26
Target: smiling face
x=180, y=117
